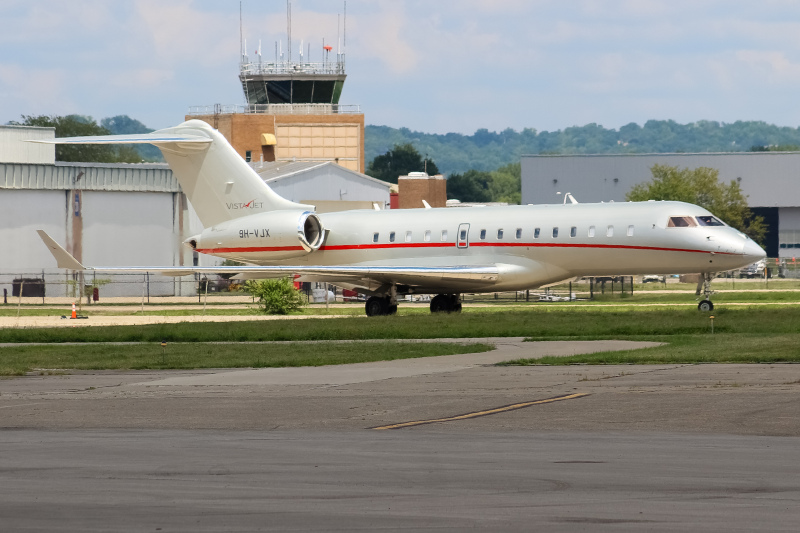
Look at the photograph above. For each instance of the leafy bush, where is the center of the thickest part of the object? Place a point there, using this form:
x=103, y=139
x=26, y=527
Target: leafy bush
x=275, y=296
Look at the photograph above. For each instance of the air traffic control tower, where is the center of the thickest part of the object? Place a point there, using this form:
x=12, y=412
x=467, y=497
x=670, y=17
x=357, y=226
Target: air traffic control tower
x=292, y=112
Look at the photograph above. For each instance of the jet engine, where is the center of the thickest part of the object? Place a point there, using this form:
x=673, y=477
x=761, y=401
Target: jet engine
x=267, y=236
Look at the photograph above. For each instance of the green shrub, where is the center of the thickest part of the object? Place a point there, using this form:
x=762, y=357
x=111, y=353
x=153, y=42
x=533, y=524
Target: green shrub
x=275, y=296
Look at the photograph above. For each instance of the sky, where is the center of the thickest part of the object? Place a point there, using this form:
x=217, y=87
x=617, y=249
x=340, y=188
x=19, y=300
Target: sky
x=434, y=66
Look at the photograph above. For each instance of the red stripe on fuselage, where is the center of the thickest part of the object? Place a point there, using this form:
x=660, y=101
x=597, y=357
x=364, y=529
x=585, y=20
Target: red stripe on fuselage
x=401, y=245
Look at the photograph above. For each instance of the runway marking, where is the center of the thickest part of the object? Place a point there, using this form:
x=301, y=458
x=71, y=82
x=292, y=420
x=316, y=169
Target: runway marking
x=476, y=414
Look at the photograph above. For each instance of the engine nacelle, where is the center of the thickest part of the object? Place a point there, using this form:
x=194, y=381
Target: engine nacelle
x=263, y=236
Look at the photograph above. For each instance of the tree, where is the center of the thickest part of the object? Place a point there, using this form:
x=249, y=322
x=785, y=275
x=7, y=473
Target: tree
x=506, y=184
x=399, y=161
x=471, y=186
x=701, y=186
x=79, y=126
x=275, y=296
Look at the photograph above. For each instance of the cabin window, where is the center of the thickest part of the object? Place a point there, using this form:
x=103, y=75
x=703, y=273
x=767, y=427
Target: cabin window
x=408, y=236
x=536, y=233
x=591, y=231
x=681, y=222
x=555, y=232
x=573, y=231
x=630, y=230
x=499, y=234
x=444, y=235
x=427, y=236
x=375, y=237
x=463, y=235
x=610, y=231
x=391, y=237
x=519, y=233
x=483, y=234
x=709, y=221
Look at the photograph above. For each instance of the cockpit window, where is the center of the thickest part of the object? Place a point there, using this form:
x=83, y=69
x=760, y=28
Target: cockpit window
x=682, y=222
x=707, y=220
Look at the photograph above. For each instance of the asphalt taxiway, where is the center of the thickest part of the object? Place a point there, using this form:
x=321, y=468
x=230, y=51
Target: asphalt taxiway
x=444, y=443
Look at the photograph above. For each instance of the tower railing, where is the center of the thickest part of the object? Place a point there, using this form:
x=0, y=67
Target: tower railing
x=275, y=109
x=285, y=67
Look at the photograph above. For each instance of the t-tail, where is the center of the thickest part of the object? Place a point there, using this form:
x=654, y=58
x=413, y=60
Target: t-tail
x=220, y=185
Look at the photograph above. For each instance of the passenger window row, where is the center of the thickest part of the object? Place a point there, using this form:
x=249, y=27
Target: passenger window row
x=573, y=232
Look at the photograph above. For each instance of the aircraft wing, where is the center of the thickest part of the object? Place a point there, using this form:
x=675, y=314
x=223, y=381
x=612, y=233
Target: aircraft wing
x=362, y=276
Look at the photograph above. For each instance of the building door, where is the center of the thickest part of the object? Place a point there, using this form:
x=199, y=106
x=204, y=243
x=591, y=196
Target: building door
x=462, y=240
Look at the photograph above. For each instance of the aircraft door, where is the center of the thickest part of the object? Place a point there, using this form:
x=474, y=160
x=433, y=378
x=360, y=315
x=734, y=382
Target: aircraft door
x=462, y=239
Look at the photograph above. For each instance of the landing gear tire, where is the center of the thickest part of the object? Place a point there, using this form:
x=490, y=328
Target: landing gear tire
x=705, y=306
x=377, y=306
x=446, y=303
x=440, y=304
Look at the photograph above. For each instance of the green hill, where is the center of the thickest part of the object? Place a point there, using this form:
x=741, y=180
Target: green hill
x=488, y=150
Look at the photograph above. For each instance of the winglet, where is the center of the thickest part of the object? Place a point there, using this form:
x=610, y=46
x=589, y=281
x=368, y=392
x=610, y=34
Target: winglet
x=63, y=257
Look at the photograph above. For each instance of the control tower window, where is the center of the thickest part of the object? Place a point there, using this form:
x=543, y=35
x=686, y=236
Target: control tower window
x=681, y=222
x=709, y=221
x=248, y=156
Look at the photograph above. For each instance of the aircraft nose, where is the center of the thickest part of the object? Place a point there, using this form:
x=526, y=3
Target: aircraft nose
x=753, y=252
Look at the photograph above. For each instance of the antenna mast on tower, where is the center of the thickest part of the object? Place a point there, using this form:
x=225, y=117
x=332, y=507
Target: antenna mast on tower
x=289, y=28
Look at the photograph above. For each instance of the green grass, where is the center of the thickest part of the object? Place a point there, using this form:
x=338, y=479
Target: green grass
x=540, y=322
x=18, y=360
x=692, y=349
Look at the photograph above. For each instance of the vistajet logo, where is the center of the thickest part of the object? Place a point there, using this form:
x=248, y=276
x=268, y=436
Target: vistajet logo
x=252, y=204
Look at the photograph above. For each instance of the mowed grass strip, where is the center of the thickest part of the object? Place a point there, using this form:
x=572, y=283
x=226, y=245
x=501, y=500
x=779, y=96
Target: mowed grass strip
x=691, y=349
x=18, y=360
x=543, y=323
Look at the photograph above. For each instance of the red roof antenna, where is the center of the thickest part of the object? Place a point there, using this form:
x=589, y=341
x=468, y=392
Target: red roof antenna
x=328, y=48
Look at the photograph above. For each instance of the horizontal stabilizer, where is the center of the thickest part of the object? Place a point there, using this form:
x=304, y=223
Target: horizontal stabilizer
x=141, y=138
x=63, y=257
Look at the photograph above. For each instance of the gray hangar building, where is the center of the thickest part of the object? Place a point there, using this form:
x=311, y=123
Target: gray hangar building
x=771, y=181
x=129, y=214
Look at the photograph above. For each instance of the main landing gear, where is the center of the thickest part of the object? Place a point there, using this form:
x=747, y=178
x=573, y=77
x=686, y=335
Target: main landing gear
x=387, y=305
x=380, y=305
x=446, y=303
x=705, y=304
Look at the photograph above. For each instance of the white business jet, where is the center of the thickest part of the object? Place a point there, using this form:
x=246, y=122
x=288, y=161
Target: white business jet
x=443, y=252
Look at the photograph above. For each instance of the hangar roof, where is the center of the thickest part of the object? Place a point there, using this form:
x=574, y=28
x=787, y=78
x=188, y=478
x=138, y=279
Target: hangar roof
x=278, y=170
x=142, y=177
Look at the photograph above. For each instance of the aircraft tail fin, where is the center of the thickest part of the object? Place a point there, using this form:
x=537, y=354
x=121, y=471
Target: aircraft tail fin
x=220, y=185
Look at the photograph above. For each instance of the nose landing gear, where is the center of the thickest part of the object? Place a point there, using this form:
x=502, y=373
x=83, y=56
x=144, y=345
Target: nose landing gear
x=705, y=304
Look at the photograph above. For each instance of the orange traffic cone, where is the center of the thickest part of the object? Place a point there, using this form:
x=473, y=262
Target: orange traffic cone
x=74, y=314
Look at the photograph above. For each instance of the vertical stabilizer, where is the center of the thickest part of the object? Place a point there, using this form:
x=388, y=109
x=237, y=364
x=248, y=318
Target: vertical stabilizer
x=218, y=182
